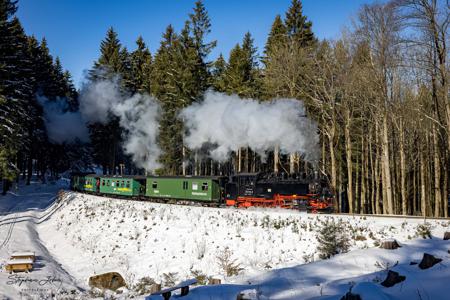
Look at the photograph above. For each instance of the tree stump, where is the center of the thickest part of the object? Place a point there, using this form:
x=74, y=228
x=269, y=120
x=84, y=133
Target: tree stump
x=390, y=244
x=428, y=261
x=392, y=279
x=214, y=281
x=156, y=287
x=447, y=235
x=350, y=296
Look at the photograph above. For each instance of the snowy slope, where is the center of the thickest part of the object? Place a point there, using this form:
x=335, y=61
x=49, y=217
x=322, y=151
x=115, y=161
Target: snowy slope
x=92, y=235
x=20, y=212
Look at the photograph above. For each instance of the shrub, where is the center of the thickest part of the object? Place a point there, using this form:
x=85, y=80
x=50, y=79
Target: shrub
x=424, y=230
x=229, y=266
x=144, y=285
x=201, y=278
x=333, y=239
x=170, y=279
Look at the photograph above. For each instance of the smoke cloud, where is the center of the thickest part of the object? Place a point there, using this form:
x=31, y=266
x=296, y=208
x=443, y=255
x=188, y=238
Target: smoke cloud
x=229, y=122
x=138, y=115
x=62, y=125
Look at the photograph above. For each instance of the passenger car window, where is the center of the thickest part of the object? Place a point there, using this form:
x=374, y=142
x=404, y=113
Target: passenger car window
x=194, y=186
x=155, y=184
x=128, y=184
x=204, y=186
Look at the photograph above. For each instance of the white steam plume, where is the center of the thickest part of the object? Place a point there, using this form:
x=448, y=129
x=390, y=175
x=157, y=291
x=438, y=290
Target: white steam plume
x=62, y=125
x=138, y=115
x=229, y=122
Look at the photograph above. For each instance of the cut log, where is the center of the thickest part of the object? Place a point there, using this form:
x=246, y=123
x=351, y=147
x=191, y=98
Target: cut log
x=214, y=281
x=428, y=261
x=111, y=281
x=392, y=279
x=390, y=244
x=447, y=235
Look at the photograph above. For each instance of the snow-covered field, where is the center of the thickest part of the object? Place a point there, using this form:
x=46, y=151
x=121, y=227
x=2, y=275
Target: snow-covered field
x=84, y=235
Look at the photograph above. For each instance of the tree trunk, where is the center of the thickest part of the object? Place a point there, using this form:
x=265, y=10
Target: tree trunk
x=276, y=159
x=348, y=151
x=387, y=187
x=291, y=163
x=437, y=175
x=403, y=170
x=29, y=169
x=423, y=198
x=239, y=162
x=333, y=172
x=196, y=164
x=183, y=163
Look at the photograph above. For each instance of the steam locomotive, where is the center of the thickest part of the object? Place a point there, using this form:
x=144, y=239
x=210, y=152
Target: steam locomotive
x=240, y=190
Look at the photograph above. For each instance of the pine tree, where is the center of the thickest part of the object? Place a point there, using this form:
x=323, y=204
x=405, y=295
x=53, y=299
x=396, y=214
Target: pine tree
x=277, y=37
x=333, y=239
x=200, y=27
x=15, y=83
x=106, y=138
x=165, y=87
x=298, y=28
x=219, y=68
x=110, y=62
x=140, y=64
x=241, y=75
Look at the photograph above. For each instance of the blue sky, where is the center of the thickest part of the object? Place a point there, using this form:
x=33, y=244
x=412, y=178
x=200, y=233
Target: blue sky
x=74, y=28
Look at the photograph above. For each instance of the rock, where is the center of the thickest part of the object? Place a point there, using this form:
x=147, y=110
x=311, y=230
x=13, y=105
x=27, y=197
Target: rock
x=350, y=296
x=392, y=279
x=390, y=244
x=111, y=281
x=447, y=235
x=428, y=261
x=250, y=294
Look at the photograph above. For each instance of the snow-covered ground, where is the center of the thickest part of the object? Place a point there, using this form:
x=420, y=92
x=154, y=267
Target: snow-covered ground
x=84, y=235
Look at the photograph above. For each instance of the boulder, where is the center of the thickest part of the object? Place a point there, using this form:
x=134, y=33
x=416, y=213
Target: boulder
x=428, y=261
x=350, y=296
x=111, y=281
x=390, y=244
x=392, y=279
x=447, y=235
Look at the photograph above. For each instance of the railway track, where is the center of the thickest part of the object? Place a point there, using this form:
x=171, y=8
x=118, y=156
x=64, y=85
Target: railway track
x=215, y=205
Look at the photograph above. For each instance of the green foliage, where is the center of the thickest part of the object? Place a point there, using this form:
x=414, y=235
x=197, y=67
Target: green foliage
x=241, y=75
x=297, y=27
x=332, y=238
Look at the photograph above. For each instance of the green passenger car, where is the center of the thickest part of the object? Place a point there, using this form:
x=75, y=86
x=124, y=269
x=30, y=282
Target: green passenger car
x=122, y=185
x=205, y=189
x=90, y=183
